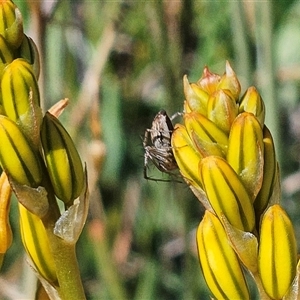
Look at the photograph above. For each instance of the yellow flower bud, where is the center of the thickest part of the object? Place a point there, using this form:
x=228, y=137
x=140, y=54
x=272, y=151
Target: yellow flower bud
x=229, y=81
x=17, y=158
x=5, y=229
x=195, y=96
x=36, y=244
x=245, y=151
x=269, y=174
x=222, y=109
x=185, y=155
x=11, y=23
x=62, y=159
x=207, y=137
x=277, y=258
x=220, y=265
x=226, y=193
x=253, y=103
x=21, y=99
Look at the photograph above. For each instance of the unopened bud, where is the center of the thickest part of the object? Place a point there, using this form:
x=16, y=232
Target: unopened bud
x=62, y=159
x=277, y=258
x=253, y=103
x=36, y=244
x=222, y=109
x=226, y=193
x=28, y=50
x=245, y=151
x=185, y=154
x=220, y=265
x=17, y=158
x=11, y=23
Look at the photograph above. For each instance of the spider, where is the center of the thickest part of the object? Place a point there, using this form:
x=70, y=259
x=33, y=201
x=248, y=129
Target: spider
x=159, y=150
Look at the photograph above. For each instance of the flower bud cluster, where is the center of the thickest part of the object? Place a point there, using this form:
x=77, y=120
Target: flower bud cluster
x=225, y=152
x=36, y=152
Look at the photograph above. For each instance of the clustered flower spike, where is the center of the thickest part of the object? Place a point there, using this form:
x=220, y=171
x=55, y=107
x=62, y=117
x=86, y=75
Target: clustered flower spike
x=39, y=163
x=226, y=154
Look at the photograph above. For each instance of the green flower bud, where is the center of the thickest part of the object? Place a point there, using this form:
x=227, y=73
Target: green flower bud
x=226, y=193
x=21, y=98
x=62, y=159
x=28, y=50
x=277, y=256
x=17, y=158
x=11, y=23
x=220, y=265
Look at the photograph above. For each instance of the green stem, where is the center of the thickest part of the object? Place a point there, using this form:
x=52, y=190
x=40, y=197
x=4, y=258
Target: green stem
x=67, y=270
x=64, y=255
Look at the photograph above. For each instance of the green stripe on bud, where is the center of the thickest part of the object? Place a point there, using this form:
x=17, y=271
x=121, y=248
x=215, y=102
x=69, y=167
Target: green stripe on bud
x=277, y=257
x=220, y=265
x=17, y=158
x=62, y=159
x=226, y=193
x=11, y=23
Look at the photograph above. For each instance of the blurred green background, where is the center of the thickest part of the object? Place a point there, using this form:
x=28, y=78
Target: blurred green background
x=119, y=63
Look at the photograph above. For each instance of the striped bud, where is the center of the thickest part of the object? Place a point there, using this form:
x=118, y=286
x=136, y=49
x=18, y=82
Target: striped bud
x=11, y=23
x=6, y=55
x=253, y=103
x=226, y=193
x=5, y=229
x=28, y=50
x=277, y=257
x=195, y=96
x=17, y=158
x=186, y=156
x=222, y=109
x=229, y=81
x=207, y=137
x=269, y=174
x=36, y=244
x=245, y=151
x=220, y=265
x=21, y=99
x=62, y=159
